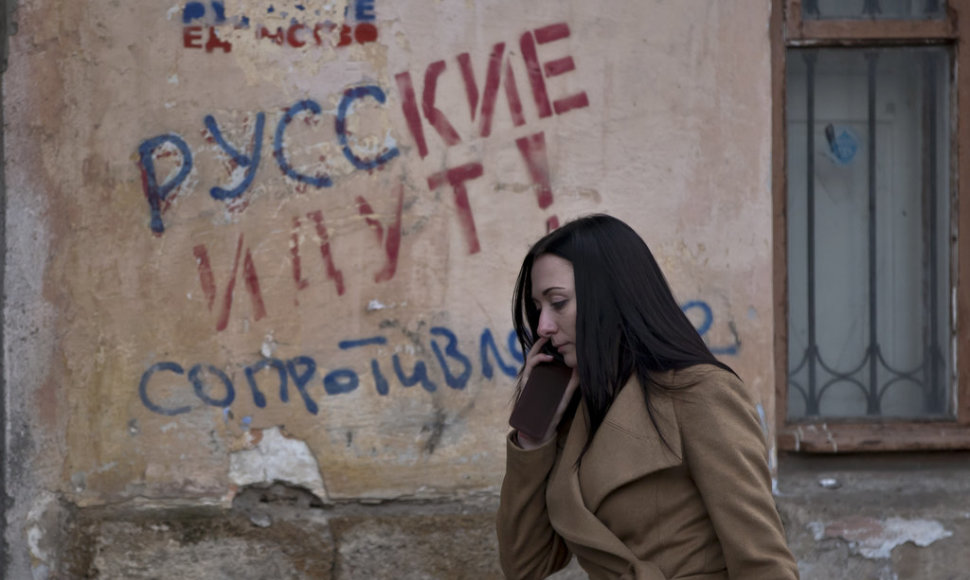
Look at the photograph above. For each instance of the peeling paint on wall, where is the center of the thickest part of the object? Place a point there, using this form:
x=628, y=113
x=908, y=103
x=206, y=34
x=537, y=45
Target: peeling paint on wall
x=272, y=457
x=875, y=539
x=42, y=531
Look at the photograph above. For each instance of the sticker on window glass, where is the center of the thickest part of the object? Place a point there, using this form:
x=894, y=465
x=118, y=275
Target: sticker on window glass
x=843, y=144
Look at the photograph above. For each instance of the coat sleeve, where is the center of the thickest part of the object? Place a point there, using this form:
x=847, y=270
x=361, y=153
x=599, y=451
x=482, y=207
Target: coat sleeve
x=529, y=548
x=725, y=451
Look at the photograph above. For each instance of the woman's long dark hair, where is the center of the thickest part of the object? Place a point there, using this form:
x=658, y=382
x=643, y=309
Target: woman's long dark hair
x=627, y=320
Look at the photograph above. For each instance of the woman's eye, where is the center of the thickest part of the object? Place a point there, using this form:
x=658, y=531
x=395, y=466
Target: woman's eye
x=559, y=305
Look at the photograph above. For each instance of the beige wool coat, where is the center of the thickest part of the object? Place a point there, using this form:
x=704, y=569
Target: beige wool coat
x=701, y=509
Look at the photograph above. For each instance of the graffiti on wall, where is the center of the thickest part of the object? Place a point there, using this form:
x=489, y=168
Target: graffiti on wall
x=214, y=387
x=422, y=117
x=166, y=161
x=452, y=366
x=204, y=26
x=220, y=295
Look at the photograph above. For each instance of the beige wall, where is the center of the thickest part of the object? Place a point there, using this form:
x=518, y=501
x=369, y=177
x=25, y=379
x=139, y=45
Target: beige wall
x=664, y=122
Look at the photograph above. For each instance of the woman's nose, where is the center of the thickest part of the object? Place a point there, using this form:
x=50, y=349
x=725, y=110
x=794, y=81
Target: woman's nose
x=546, y=326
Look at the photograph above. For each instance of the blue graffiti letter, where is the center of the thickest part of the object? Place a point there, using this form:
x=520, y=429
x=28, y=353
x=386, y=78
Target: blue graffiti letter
x=486, y=343
x=451, y=350
x=199, y=386
x=341, y=126
x=364, y=10
x=220, y=9
x=193, y=11
x=708, y=315
x=706, y=324
x=420, y=375
x=251, y=371
x=143, y=388
x=156, y=193
x=340, y=381
x=307, y=105
x=349, y=344
x=250, y=163
x=380, y=382
x=302, y=378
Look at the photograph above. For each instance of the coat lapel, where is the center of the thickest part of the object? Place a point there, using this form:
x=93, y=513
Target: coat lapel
x=590, y=539
x=626, y=447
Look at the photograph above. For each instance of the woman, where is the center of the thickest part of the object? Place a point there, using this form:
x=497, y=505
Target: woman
x=655, y=465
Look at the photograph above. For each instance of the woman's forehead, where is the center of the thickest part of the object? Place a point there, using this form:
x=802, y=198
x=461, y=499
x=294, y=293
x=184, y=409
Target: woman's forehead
x=551, y=271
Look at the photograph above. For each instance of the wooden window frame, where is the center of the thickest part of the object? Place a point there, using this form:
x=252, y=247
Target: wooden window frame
x=831, y=435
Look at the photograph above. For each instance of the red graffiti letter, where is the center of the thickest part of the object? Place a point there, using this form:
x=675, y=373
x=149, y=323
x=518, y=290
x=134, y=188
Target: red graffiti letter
x=332, y=272
x=533, y=150
x=298, y=278
x=216, y=42
x=365, y=32
x=457, y=177
x=432, y=113
x=252, y=285
x=528, y=46
x=552, y=68
x=291, y=37
x=277, y=36
x=392, y=244
x=468, y=76
x=209, y=284
x=346, y=37
x=409, y=106
x=192, y=37
x=491, y=89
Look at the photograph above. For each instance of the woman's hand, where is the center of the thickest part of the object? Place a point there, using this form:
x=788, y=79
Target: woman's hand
x=536, y=357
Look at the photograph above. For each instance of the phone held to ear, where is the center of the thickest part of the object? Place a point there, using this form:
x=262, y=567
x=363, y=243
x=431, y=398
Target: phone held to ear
x=539, y=399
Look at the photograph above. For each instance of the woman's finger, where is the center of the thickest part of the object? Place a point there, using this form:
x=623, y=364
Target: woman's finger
x=534, y=357
x=537, y=347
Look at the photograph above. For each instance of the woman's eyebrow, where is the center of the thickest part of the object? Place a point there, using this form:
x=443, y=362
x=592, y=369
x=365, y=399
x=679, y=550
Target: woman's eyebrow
x=547, y=291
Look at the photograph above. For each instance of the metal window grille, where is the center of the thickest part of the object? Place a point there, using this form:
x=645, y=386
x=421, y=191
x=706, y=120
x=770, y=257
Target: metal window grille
x=869, y=232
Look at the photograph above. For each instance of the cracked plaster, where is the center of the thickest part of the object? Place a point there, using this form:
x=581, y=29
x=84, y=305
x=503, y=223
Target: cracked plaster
x=875, y=539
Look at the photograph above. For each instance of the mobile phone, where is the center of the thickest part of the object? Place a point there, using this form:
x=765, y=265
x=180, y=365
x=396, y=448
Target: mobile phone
x=539, y=399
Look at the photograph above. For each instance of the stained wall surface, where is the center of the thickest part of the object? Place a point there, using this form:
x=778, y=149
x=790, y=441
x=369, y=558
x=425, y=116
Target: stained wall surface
x=257, y=240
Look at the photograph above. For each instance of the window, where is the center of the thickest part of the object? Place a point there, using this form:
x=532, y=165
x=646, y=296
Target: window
x=872, y=292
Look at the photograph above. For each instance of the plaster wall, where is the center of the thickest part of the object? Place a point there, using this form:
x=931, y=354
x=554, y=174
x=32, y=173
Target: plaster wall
x=263, y=241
